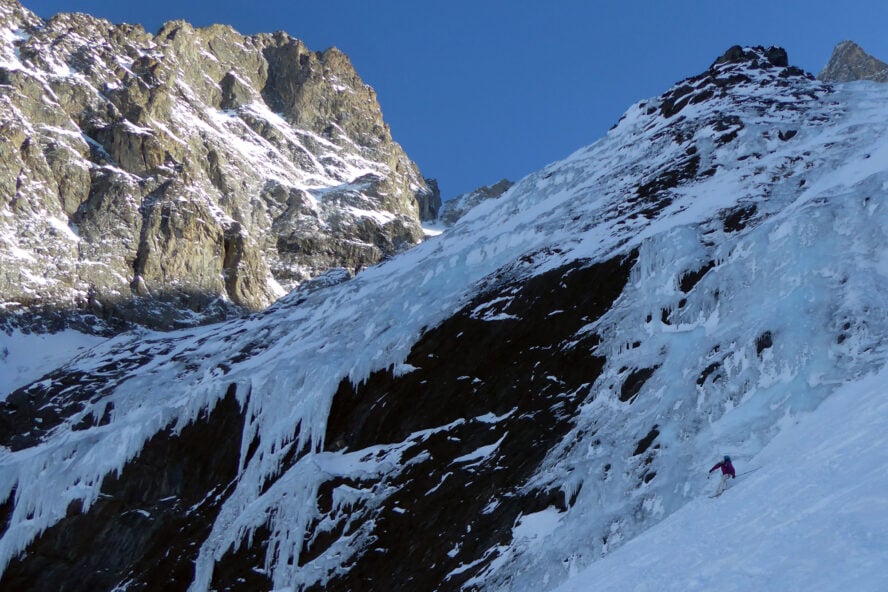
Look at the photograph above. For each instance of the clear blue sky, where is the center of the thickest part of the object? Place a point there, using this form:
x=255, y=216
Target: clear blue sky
x=478, y=90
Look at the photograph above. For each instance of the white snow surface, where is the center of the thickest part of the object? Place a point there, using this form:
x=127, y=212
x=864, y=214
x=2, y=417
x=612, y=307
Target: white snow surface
x=811, y=270
x=810, y=514
x=25, y=357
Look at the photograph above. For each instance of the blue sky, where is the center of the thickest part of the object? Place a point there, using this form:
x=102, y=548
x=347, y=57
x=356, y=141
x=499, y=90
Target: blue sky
x=480, y=90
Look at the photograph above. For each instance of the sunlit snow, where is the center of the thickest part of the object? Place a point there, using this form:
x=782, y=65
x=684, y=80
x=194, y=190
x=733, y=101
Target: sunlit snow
x=26, y=357
x=810, y=513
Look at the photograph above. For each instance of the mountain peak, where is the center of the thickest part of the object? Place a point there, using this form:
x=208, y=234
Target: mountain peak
x=850, y=62
x=754, y=67
x=775, y=56
x=281, y=153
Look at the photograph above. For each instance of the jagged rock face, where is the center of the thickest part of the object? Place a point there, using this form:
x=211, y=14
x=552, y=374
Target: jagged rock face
x=164, y=494
x=200, y=168
x=430, y=203
x=849, y=63
x=689, y=282
x=456, y=208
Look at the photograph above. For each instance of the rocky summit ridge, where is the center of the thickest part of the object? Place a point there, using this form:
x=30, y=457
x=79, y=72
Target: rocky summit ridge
x=173, y=178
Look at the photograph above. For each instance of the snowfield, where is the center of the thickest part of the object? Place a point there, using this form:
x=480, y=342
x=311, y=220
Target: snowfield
x=26, y=357
x=812, y=515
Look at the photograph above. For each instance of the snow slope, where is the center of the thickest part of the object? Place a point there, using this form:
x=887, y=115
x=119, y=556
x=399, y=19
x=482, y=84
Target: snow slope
x=26, y=357
x=812, y=516
x=756, y=217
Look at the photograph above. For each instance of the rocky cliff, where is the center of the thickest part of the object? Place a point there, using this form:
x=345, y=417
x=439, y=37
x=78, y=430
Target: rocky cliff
x=850, y=62
x=189, y=174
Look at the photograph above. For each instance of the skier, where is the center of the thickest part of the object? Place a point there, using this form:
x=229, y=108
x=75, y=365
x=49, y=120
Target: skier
x=727, y=471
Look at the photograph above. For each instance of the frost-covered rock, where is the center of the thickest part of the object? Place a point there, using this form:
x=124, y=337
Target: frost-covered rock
x=147, y=176
x=524, y=394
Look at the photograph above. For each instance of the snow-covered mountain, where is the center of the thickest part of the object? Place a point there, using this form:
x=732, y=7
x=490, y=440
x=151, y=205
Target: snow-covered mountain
x=171, y=178
x=536, y=392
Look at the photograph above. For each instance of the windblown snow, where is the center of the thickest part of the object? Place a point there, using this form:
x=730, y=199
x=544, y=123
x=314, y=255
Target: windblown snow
x=774, y=342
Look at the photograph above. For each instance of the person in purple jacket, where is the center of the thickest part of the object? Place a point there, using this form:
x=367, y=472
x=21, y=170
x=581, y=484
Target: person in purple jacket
x=727, y=471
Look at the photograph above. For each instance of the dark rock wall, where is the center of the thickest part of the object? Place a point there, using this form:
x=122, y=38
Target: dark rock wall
x=148, y=523
x=441, y=512
x=516, y=382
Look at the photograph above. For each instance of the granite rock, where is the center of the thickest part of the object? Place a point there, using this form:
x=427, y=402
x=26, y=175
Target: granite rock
x=849, y=62
x=197, y=170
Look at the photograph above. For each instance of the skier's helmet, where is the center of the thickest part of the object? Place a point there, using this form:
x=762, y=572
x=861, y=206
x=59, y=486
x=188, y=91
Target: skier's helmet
x=727, y=458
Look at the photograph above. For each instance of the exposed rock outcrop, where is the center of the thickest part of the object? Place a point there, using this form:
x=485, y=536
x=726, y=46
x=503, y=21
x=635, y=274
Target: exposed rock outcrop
x=430, y=203
x=151, y=177
x=849, y=62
